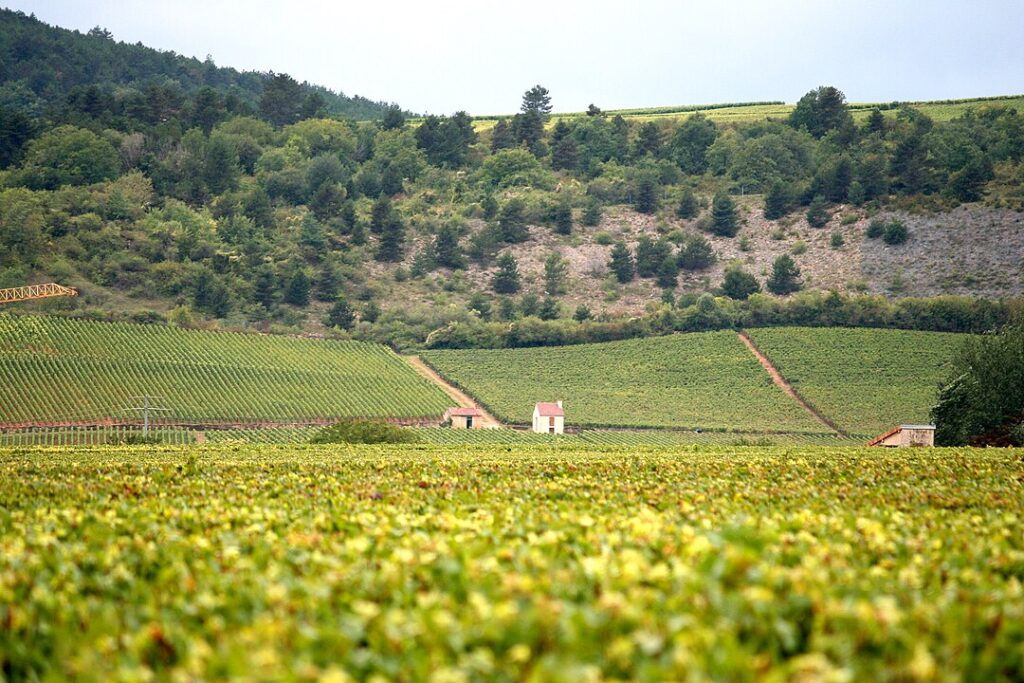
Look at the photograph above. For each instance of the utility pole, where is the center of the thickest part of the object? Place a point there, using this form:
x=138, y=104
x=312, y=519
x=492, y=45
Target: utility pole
x=146, y=408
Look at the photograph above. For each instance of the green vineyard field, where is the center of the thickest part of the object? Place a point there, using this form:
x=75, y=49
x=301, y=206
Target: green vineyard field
x=114, y=435
x=864, y=380
x=58, y=369
x=707, y=380
x=414, y=563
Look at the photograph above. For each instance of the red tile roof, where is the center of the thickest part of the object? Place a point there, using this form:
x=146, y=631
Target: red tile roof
x=464, y=412
x=550, y=410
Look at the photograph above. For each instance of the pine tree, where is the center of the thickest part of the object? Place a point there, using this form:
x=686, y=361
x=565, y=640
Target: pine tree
x=687, y=205
x=647, y=195
x=785, y=277
x=512, y=221
x=565, y=155
x=739, y=284
x=548, y=309
x=328, y=282
x=668, y=273
x=621, y=262
x=392, y=240
x=341, y=315
x=592, y=212
x=696, y=253
x=502, y=136
x=563, y=216
x=555, y=271
x=649, y=256
x=817, y=212
x=506, y=279
x=264, y=288
x=296, y=292
x=723, y=216
x=648, y=140
x=326, y=203
x=447, y=250
x=380, y=215
x=582, y=313
x=776, y=201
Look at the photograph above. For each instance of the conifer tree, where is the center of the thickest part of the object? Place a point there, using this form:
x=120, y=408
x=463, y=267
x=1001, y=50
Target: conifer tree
x=621, y=262
x=785, y=277
x=392, y=240
x=687, y=204
x=723, y=216
x=506, y=279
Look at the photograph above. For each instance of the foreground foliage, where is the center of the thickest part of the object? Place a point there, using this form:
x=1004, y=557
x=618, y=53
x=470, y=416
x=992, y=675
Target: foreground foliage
x=417, y=563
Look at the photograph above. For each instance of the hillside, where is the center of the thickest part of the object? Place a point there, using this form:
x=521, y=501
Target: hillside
x=54, y=370
x=43, y=68
x=169, y=190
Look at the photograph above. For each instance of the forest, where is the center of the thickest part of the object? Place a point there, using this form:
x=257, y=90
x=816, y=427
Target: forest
x=169, y=189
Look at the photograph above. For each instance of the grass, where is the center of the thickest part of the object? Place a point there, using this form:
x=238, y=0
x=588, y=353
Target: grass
x=865, y=380
x=491, y=564
x=64, y=369
x=706, y=380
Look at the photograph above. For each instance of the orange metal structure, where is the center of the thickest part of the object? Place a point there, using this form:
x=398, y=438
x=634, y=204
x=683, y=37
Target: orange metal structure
x=29, y=292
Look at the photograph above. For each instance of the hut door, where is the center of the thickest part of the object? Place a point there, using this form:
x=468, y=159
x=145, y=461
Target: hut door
x=469, y=422
x=551, y=425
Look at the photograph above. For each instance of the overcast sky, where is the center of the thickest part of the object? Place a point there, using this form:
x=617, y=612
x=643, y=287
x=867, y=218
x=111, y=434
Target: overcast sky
x=439, y=56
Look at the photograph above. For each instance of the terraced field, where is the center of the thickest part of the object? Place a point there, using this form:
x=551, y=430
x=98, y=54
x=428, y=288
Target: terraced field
x=58, y=369
x=865, y=380
x=705, y=380
x=510, y=564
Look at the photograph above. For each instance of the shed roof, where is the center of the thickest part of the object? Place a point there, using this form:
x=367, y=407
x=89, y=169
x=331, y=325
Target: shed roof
x=549, y=410
x=464, y=412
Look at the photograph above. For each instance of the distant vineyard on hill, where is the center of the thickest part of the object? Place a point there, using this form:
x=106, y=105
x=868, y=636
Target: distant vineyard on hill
x=706, y=380
x=866, y=381
x=54, y=369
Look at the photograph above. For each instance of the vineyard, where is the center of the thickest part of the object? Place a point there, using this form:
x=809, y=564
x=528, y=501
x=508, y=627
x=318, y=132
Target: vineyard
x=114, y=435
x=427, y=563
x=64, y=370
x=865, y=380
x=706, y=380
x=940, y=110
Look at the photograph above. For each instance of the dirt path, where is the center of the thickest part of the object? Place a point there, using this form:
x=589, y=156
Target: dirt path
x=461, y=398
x=786, y=387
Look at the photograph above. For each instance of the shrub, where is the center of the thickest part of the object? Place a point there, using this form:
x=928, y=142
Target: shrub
x=363, y=431
x=875, y=229
x=603, y=237
x=696, y=253
x=837, y=239
x=800, y=247
x=739, y=284
x=895, y=233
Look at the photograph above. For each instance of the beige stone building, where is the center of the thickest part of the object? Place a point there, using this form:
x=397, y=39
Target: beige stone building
x=906, y=435
x=464, y=418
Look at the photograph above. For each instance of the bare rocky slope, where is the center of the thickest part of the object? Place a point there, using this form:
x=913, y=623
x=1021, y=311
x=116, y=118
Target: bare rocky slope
x=972, y=250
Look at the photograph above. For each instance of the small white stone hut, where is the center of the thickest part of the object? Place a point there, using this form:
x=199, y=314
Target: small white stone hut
x=549, y=418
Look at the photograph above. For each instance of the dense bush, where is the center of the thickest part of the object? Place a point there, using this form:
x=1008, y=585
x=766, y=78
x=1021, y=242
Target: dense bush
x=982, y=402
x=363, y=431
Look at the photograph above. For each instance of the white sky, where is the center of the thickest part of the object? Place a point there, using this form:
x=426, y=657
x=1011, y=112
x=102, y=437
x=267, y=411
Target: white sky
x=439, y=56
